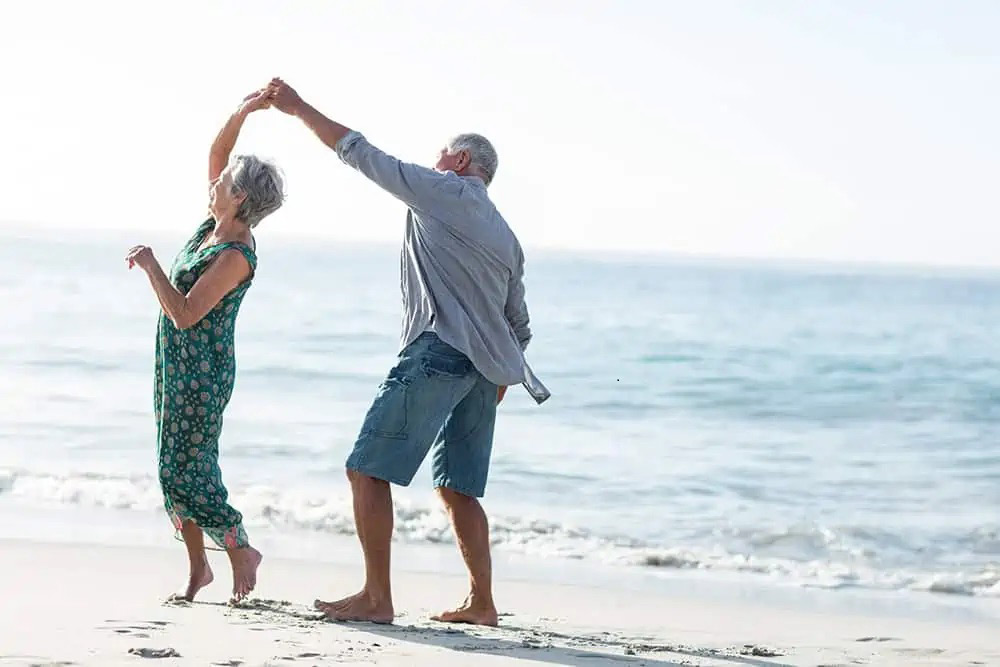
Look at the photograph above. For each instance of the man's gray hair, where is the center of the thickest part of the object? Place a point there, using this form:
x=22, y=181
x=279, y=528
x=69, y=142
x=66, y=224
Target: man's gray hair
x=263, y=185
x=481, y=153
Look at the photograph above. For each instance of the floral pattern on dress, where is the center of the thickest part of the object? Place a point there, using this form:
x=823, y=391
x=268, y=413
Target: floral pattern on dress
x=194, y=378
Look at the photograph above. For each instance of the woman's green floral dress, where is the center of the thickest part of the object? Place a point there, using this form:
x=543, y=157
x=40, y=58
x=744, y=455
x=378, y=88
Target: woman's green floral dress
x=195, y=373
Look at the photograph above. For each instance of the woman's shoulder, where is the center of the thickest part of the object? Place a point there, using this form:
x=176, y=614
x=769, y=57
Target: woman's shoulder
x=249, y=253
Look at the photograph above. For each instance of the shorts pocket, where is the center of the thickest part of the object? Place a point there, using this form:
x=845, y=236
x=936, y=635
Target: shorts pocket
x=388, y=415
x=452, y=366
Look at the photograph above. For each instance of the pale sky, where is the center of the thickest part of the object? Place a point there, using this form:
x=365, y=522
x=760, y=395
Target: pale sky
x=844, y=130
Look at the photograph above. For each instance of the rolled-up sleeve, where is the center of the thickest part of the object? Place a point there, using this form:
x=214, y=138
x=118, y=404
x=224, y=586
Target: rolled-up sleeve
x=410, y=183
x=516, y=309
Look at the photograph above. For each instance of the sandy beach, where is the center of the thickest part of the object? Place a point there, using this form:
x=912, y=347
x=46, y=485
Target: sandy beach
x=74, y=604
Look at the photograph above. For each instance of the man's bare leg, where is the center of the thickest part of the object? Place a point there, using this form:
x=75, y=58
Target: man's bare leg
x=472, y=531
x=200, y=574
x=373, y=518
x=359, y=527
x=245, y=561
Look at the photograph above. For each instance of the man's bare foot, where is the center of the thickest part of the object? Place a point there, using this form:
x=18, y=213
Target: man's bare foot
x=471, y=611
x=245, y=562
x=358, y=607
x=196, y=581
x=325, y=606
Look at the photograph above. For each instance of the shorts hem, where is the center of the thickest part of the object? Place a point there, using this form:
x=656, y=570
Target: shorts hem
x=371, y=471
x=465, y=490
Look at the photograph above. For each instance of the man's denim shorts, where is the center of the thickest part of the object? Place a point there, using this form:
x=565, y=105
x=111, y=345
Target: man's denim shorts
x=433, y=396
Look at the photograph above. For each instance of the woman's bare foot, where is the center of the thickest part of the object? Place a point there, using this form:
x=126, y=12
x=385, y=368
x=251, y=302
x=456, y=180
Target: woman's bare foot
x=197, y=580
x=359, y=607
x=245, y=562
x=471, y=611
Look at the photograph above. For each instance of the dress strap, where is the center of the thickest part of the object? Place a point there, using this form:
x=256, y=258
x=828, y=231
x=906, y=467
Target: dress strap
x=199, y=235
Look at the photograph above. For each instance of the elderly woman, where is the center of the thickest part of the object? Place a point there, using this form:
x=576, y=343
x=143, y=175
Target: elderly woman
x=195, y=361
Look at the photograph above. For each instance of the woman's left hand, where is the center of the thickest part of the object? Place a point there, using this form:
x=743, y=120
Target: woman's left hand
x=141, y=256
x=255, y=101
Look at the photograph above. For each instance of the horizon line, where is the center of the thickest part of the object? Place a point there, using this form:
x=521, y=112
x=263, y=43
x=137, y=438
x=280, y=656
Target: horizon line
x=32, y=231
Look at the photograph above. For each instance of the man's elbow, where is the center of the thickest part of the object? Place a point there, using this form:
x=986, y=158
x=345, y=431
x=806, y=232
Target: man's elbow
x=524, y=337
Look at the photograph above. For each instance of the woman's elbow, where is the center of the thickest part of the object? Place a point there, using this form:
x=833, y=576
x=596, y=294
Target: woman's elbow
x=181, y=323
x=184, y=321
x=188, y=315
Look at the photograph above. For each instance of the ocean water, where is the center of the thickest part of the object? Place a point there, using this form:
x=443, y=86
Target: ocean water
x=821, y=426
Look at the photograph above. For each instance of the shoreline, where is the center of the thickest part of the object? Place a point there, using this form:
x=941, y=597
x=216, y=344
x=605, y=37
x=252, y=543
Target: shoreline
x=110, y=527
x=90, y=605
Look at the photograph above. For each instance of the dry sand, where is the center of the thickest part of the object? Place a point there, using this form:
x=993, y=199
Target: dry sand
x=92, y=605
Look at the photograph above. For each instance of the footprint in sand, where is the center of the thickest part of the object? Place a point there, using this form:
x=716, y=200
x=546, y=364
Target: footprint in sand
x=154, y=652
x=759, y=651
x=138, y=631
x=310, y=654
x=920, y=652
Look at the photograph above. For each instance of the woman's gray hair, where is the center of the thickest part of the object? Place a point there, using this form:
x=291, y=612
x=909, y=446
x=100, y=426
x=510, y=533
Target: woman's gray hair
x=481, y=153
x=263, y=185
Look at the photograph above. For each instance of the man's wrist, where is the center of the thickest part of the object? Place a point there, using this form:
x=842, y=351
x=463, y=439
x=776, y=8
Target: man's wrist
x=302, y=109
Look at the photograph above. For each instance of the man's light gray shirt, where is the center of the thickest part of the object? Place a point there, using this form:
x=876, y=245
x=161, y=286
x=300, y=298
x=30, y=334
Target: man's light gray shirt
x=461, y=268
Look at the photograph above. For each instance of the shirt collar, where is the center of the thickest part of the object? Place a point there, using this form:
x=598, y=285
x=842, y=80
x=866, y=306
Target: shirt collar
x=473, y=180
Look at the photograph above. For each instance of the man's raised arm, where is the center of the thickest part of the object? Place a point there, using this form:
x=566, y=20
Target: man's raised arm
x=408, y=182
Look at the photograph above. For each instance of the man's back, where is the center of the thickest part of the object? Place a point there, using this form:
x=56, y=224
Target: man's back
x=461, y=267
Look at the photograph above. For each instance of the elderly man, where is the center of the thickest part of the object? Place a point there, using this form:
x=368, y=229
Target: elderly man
x=465, y=328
